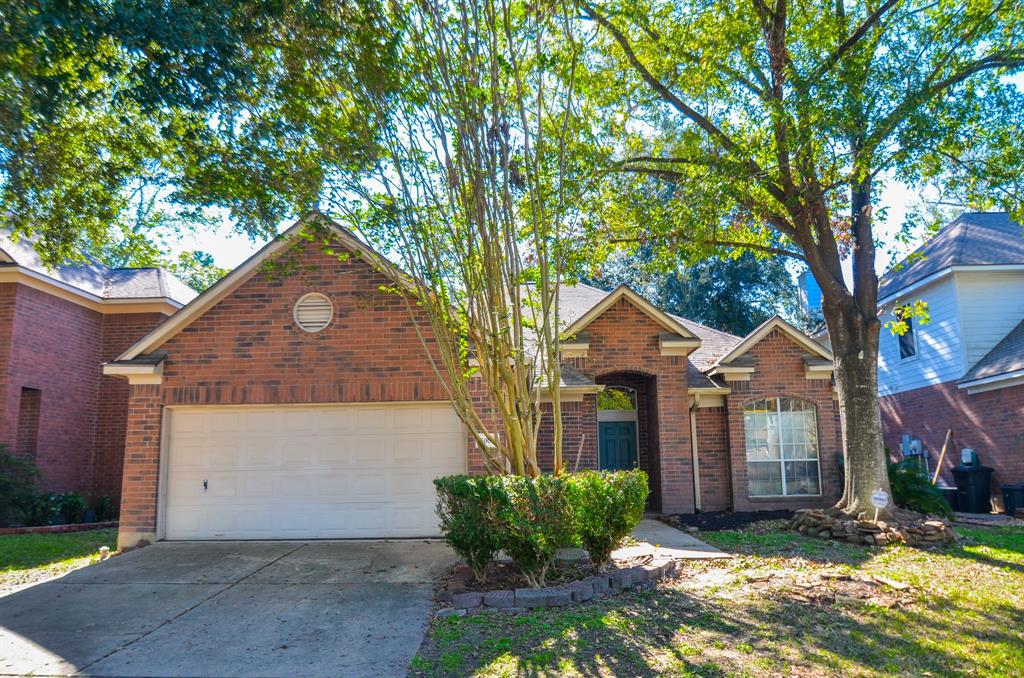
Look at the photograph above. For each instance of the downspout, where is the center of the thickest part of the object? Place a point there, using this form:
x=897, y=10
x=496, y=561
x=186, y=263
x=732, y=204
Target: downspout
x=693, y=447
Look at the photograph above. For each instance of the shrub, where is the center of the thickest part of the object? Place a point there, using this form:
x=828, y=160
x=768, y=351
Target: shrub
x=912, y=490
x=607, y=506
x=467, y=507
x=18, y=490
x=104, y=510
x=534, y=520
x=72, y=507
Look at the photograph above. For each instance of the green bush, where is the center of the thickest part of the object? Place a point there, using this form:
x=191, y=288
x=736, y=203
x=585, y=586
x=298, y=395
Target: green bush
x=18, y=491
x=72, y=507
x=912, y=490
x=607, y=506
x=534, y=520
x=104, y=510
x=467, y=507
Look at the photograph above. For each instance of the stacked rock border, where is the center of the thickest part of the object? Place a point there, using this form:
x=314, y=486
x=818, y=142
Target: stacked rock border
x=522, y=600
x=913, y=532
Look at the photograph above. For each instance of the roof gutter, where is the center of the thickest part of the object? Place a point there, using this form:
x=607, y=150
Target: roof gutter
x=993, y=383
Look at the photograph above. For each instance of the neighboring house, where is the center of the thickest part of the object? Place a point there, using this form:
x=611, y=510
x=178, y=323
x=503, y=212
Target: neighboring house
x=964, y=369
x=304, y=405
x=57, y=327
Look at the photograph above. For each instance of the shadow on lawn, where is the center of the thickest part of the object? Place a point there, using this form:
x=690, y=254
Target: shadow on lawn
x=665, y=631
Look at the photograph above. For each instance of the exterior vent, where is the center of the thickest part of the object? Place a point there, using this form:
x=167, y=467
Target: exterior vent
x=313, y=312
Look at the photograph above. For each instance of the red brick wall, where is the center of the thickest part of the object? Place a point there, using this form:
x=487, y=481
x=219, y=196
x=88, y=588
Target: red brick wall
x=625, y=340
x=991, y=423
x=119, y=332
x=28, y=424
x=248, y=350
x=57, y=347
x=713, y=459
x=780, y=372
x=54, y=346
x=579, y=423
x=141, y=465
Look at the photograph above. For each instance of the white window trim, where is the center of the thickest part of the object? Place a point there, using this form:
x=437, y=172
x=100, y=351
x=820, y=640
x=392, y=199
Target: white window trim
x=781, y=461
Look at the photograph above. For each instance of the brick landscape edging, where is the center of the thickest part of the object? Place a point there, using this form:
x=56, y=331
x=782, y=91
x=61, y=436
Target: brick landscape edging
x=521, y=600
x=75, y=527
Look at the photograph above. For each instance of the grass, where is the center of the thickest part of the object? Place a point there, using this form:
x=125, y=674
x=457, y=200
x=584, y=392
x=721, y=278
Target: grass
x=31, y=558
x=769, y=611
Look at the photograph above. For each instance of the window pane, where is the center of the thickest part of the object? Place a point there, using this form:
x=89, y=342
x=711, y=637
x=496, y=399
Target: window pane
x=764, y=479
x=802, y=477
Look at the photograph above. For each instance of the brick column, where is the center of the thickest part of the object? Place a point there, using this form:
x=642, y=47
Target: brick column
x=674, y=452
x=140, y=485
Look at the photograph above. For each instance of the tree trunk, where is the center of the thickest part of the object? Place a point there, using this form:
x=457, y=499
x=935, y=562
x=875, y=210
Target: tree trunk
x=854, y=336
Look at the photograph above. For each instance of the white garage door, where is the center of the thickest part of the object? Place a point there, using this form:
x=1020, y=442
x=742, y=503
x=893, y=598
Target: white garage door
x=343, y=471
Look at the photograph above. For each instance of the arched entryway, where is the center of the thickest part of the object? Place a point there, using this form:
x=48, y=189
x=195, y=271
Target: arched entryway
x=627, y=425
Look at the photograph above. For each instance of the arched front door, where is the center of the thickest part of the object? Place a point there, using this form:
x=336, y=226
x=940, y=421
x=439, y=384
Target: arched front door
x=617, y=429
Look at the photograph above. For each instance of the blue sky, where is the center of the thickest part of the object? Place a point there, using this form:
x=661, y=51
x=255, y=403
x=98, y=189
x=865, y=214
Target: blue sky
x=229, y=248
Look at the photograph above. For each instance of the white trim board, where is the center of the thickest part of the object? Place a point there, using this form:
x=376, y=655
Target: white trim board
x=774, y=323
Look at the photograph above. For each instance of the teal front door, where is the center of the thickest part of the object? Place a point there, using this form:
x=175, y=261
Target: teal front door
x=617, y=444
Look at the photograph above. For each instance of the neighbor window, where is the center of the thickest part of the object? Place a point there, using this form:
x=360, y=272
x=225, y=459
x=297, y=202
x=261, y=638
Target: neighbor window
x=908, y=344
x=782, y=448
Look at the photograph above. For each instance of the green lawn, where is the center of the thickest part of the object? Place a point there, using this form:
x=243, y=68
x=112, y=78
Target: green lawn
x=30, y=558
x=769, y=611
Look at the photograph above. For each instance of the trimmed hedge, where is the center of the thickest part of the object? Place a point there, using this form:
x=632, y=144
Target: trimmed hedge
x=530, y=518
x=607, y=506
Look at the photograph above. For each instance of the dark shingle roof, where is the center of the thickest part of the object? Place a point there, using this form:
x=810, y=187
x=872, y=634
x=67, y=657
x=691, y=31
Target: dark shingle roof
x=1005, y=357
x=95, y=278
x=576, y=300
x=972, y=239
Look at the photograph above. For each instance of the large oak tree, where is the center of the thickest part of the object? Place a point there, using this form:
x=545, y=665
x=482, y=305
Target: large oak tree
x=769, y=125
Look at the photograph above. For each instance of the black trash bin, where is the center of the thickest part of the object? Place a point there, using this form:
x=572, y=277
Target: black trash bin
x=973, y=488
x=1013, y=497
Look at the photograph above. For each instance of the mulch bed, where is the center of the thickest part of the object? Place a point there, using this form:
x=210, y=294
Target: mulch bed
x=714, y=521
x=505, y=575
x=51, y=529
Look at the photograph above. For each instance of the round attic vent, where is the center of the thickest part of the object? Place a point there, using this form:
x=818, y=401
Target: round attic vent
x=313, y=312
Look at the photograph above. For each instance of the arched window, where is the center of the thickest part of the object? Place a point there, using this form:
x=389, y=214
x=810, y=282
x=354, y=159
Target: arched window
x=620, y=398
x=782, y=448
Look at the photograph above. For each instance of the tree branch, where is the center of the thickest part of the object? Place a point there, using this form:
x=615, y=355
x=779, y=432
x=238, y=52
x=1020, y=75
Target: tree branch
x=714, y=242
x=723, y=139
x=852, y=40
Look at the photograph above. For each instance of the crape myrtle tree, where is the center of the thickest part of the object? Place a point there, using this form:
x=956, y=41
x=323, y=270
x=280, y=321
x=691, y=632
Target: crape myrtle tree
x=473, y=193
x=771, y=125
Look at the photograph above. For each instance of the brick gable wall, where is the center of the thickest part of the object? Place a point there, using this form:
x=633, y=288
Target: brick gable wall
x=991, y=423
x=780, y=372
x=624, y=341
x=247, y=349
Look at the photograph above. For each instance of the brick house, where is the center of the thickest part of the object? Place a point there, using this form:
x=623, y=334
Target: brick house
x=963, y=370
x=57, y=326
x=305, y=405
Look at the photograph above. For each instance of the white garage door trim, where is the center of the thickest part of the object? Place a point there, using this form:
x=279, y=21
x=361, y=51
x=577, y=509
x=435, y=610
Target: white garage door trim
x=453, y=464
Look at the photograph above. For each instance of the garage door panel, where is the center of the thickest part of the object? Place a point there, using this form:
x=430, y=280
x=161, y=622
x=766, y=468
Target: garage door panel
x=309, y=472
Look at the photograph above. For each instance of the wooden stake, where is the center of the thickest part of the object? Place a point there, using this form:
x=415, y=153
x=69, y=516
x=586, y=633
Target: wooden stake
x=579, y=453
x=942, y=456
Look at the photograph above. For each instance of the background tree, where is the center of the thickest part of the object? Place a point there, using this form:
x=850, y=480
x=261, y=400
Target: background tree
x=733, y=295
x=771, y=125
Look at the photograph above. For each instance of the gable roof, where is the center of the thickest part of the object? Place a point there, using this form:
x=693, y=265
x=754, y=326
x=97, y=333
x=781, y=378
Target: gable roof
x=763, y=330
x=1005, y=358
x=668, y=322
x=92, y=278
x=972, y=239
x=232, y=281
x=574, y=301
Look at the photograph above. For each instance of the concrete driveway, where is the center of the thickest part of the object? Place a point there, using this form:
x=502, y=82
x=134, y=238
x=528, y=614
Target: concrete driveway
x=319, y=608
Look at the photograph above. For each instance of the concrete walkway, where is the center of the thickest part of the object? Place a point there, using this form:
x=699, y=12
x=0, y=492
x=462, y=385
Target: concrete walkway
x=317, y=608
x=659, y=539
